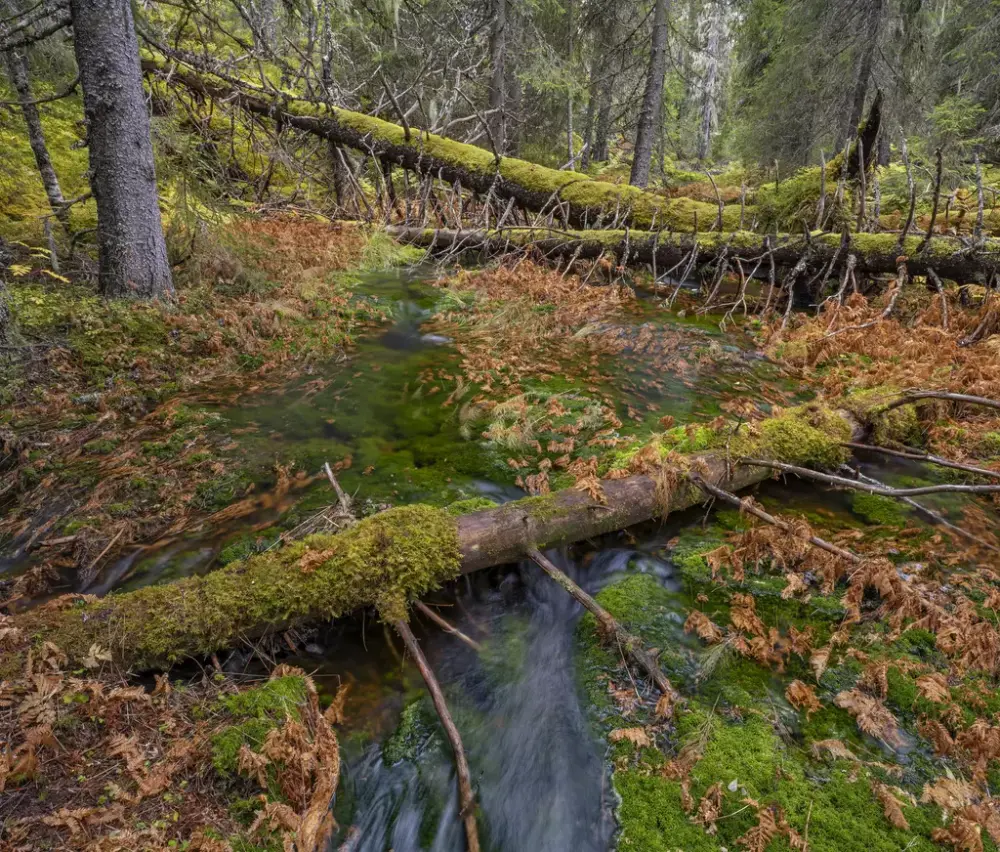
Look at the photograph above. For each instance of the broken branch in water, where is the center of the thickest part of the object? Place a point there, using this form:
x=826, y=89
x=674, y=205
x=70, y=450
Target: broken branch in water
x=629, y=643
x=447, y=627
x=882, y=490
x=925, y=457
x=466, y=799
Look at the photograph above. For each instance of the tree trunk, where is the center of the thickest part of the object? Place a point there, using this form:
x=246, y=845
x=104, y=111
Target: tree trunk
x=383, y=561
x=605, y=104
x=132, y=250
x=649, y=114
x=877, y=255
x=532, y=186
x=711, y=77
x=498, y=76
x=17, y=68
x=6, y=328
x=868, y=40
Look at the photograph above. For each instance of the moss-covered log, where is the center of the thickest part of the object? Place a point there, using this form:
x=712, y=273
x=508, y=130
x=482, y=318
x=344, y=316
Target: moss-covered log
x=576, y=197
x=391, y=559
x=875, y=253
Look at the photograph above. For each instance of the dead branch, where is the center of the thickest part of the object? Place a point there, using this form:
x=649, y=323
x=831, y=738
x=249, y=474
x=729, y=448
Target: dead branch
x=447, y=627
x=629, y=643
x=757, y=512
x=936, y=281
x=925, y=457
x=934, y=205
x=914, y=396
x=935, y=517
x=466, y=799
x=884, y=491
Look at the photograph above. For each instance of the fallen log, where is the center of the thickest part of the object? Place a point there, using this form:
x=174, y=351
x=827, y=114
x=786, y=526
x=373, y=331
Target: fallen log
x=874, y=253
x=395, y=557
x=572, y=196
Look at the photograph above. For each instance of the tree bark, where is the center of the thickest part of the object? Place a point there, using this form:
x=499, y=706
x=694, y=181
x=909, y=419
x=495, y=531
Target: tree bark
x=17, y=68
x=131, y=247
x=498, y=76
x=878, y=255
x=711, y=77
x=868, y=40
x=649, y=114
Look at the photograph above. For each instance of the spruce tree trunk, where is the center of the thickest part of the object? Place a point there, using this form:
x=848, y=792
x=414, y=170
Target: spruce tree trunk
x=711, y=77
x=649, y=114
x=5, y=323
x=131, y=247
x=498, y=77
x=16, y=62
x=872, y=24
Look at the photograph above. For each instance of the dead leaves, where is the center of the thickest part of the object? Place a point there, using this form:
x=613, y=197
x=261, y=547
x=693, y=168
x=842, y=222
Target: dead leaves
x=890, y=805
x=934, y=687
x=802, y=697
x=701, y=625
x=872, y=716
x=637, y=736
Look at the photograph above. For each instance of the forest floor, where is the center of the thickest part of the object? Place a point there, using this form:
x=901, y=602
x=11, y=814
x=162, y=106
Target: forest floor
x=827, y=707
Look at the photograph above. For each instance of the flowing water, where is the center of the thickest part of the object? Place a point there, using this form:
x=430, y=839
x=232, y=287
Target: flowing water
x=539, y=766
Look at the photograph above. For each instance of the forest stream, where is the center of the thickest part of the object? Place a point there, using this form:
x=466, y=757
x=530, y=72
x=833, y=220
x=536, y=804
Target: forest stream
x=532, y=705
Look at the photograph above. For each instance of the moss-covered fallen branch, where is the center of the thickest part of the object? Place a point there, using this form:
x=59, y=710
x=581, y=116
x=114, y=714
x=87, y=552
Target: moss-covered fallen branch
x=391, y=559
x=578, y=197
x=874, y=253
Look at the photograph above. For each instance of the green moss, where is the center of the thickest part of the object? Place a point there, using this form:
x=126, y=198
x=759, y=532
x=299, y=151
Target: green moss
x=469, y=505
x=254, y=712
x=412, y=732
x=385, y=561
x=898, y=426
x=809, y=435
x=876, y=509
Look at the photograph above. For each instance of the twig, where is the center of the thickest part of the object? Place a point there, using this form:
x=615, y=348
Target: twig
x=913, y=396
x=934, y=205
x=881, y=490
x=466, y=799
x=912, y=187
x=935, y=517
x=925, y=457
x=100, y=555
x=936, y=281
x=630, y=643
x=345, y=501
x=446, y=627
x=749, y=508
x=718, y=199
x=900, y=281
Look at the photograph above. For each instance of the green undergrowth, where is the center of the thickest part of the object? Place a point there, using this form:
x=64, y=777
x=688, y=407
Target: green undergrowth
x=753, y=743
x=251, y=715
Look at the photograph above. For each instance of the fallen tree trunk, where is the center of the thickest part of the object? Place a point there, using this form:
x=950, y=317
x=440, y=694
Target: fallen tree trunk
x=397, y=556
x=874, y=253
x=573, y=197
